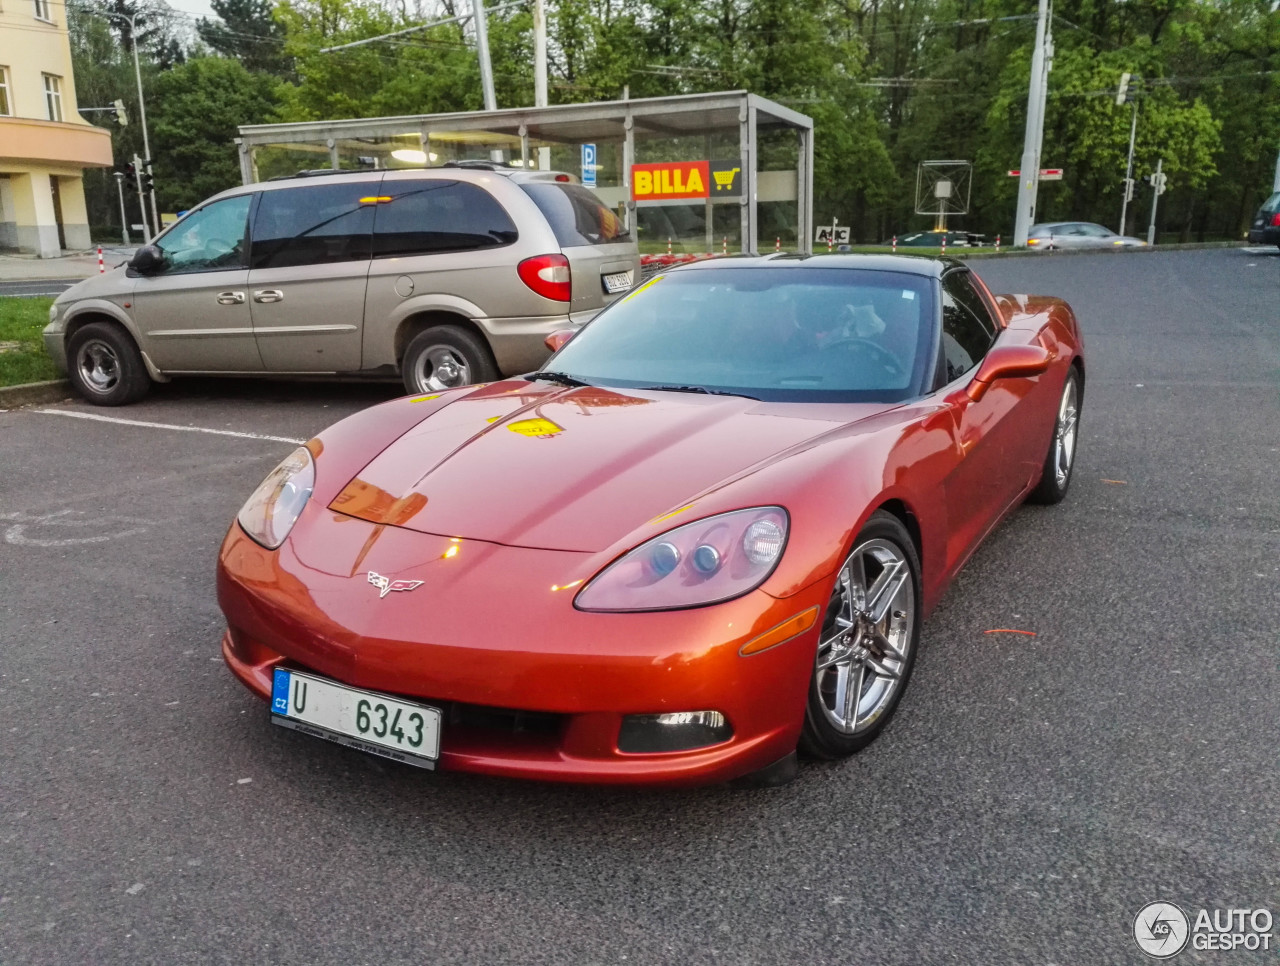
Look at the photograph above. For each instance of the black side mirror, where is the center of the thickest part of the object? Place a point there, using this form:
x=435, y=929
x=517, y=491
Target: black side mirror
x=147, y=260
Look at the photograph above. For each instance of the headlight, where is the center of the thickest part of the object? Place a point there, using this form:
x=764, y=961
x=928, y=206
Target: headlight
x=706, y=562
x=270, y=513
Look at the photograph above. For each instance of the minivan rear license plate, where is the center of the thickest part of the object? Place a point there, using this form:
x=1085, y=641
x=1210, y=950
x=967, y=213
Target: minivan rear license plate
x=365, y=720
x=617, y=282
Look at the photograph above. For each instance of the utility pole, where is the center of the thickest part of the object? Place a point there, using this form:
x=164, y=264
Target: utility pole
x=124, y=218
x=540, y=70
x=1127, y=93
x=482, y=43
x=1029, y=182
x=142, y=198
x=142, y=114
x=1157, y=189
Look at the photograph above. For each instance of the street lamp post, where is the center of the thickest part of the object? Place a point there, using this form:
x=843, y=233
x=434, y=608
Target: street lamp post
x=148, y=232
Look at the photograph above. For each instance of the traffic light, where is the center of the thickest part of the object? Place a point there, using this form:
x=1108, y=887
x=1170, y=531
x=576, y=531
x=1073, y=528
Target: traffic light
x=122, y=118
x=130, y=174
x=146, y=182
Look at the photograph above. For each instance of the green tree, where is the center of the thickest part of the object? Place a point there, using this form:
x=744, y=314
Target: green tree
x=197, y=109
x=246, y=31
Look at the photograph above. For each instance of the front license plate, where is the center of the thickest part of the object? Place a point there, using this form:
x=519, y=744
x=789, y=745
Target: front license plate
x=365, y=720
x=617, y=282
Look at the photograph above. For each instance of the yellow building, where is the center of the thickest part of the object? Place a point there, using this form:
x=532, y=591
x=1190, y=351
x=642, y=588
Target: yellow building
x=44, y=143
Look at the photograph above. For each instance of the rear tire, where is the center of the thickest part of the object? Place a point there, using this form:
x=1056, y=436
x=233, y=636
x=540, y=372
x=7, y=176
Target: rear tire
x=1055, y=476
x=105, y=366
x=445, y=357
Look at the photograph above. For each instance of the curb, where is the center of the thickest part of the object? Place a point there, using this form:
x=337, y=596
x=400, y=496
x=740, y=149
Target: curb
x=35, y=393
x=1116, y=250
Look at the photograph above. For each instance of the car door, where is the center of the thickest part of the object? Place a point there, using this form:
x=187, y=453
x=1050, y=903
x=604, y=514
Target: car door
x=309, y=266
x=193, y=311
x=991, y=472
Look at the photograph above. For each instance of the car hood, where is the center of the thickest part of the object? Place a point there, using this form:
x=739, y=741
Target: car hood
x=525, y=465
x=110, y=283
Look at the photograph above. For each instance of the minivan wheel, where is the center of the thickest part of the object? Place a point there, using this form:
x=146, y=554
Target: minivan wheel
x=445, y=357
x=105, y=366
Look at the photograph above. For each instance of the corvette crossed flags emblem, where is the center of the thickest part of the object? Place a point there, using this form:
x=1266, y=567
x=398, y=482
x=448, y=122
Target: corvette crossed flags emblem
x=386, y=585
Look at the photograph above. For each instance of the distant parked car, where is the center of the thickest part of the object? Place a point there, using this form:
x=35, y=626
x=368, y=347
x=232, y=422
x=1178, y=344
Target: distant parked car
x=1077, y=234
x=446, y=276
x=1266, y=223
x=933, y=239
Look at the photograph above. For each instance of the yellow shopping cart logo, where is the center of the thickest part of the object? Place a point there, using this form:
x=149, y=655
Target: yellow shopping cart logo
x=724, y=179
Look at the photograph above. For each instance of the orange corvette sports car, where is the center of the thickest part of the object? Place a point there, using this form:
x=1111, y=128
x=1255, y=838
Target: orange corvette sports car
x=702, y=538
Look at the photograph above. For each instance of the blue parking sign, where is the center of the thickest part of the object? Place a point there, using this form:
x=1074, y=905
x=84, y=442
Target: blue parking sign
x=589, y=165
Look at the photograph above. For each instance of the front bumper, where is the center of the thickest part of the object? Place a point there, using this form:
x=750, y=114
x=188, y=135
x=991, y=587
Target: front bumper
x=530, y=687
x=55, y=344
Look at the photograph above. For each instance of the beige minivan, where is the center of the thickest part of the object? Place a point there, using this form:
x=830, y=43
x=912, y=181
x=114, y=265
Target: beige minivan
x=444, y=276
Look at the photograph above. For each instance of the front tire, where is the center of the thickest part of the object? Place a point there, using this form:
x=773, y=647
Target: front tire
x=867, y=646
x=105, y=366
x=1055, y=476
x=445, y=357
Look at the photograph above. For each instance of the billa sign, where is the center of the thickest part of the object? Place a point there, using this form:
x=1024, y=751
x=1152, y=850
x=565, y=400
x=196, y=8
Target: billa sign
x=681, y=180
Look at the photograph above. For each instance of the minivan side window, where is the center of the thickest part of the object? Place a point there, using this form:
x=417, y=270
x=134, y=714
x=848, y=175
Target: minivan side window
x=967, y=328
x=426, y=216
x=209, y=239
x=314, y=225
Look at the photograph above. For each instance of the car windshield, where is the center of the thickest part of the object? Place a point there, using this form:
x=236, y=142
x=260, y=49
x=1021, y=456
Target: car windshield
x=781, y=334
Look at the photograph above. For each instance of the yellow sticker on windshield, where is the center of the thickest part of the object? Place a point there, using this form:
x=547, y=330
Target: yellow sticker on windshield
x=634, y=293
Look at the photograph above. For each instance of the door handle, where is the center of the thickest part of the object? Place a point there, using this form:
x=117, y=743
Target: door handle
x=268, y=295
x=231, y=298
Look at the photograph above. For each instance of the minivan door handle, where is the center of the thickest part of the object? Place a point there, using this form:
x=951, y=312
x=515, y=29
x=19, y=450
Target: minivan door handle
x=268, y=295
x=231, y=298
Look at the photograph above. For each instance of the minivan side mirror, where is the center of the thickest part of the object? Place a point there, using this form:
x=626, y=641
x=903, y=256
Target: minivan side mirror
x=1007, y=362
x=147, y=260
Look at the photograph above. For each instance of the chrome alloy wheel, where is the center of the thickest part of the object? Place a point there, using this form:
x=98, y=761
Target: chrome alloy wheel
x=442, y=367
x=866, y=636
x=98, y=365
x=1064, y=433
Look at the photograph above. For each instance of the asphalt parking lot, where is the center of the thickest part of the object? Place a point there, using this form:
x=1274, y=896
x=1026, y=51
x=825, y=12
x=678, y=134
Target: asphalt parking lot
x=1034, y=792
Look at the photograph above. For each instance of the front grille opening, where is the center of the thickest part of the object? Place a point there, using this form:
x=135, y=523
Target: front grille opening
x=545, y=724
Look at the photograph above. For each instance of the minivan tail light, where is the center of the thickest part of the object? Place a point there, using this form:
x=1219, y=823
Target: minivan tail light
x=548, y=276
x=1275, y=220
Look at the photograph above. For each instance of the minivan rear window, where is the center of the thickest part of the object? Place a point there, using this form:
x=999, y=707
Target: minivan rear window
x=577, y=217
x=424, y=216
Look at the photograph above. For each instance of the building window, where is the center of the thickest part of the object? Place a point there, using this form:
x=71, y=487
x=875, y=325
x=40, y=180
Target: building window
x=43, y=11
x=53, y=96
x=5, y=109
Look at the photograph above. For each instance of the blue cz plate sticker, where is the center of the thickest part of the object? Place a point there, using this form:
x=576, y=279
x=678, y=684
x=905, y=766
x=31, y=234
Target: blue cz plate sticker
x=280, y=692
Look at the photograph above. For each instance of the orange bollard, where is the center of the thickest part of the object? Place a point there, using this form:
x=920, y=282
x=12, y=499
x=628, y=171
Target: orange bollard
x=895, y=244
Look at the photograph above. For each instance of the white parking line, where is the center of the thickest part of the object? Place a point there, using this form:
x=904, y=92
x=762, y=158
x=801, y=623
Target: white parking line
x=180, y=429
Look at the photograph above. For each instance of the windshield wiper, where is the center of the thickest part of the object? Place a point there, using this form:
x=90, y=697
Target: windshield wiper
x=563, y=378
x=701, y=389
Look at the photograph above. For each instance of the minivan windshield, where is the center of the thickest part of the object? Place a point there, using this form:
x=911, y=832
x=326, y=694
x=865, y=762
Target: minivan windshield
x=782, y=334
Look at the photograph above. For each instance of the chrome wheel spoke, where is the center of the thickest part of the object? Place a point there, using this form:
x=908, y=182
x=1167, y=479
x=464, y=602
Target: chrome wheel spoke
x=886, y=589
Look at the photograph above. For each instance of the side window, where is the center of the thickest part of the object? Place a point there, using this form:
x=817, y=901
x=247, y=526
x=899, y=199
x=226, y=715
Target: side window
x=966, y=334
x=209, y=239
x=314, y=225
x=424, y=216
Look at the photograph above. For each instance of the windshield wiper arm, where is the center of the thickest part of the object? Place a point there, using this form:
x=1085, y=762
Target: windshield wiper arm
x=563, y=378
x=701, y=389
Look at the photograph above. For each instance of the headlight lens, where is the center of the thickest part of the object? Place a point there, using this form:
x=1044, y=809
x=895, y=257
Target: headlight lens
x=270, y=513
x=705, y=562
